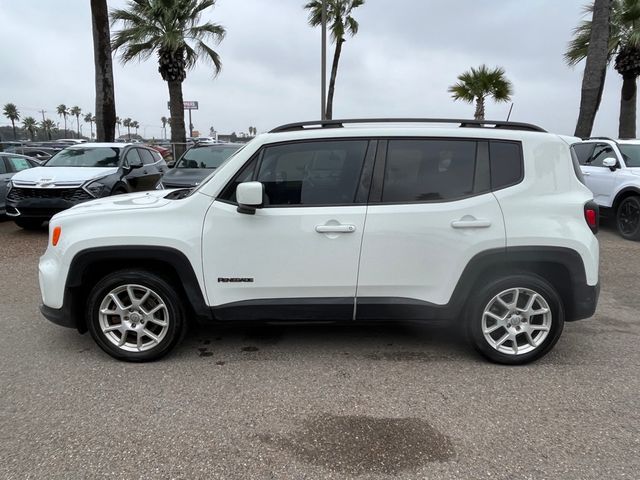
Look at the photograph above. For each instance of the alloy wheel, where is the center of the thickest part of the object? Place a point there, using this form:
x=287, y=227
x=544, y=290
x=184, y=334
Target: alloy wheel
x=134, y=318
x=516, y=321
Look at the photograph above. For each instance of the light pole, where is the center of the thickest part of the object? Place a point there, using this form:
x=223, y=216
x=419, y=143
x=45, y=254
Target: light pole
x=323, y=82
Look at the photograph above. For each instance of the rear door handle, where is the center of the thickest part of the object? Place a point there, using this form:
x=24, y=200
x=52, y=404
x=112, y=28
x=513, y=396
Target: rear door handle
x=471, y=223
x=335, y=228
x=586, y=174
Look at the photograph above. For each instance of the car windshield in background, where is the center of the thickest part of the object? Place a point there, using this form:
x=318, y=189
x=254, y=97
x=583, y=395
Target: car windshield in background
x=631, y=154
x=86, y=157
x=206, y=157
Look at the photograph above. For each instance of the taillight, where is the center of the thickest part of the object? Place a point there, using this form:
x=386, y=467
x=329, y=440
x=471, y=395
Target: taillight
x=592, y=215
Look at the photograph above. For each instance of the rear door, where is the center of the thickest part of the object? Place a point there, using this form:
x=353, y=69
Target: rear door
x=150, y=169
x=431, y=211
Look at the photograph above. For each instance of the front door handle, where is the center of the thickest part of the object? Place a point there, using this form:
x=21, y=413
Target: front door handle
x=586, y=174
x=471, y=222
x=335, y=228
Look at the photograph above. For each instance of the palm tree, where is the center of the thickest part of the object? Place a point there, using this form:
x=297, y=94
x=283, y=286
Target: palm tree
x=164, y=126
x=105, y=97
x=340, y=23
x=76, y=112
x=11, y=112
x=595, y=69
x=118, y=123
x=63, y=111
x=30, y=125
x=135, y=125
x=47, y=125
x=172, y=29
x=127, y=123
x=624, y=50
x=89, y=118
x=478, y=84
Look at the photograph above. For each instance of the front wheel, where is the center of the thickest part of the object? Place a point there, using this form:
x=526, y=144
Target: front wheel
x=628, y=218
x=516, y=319
x=135, y=315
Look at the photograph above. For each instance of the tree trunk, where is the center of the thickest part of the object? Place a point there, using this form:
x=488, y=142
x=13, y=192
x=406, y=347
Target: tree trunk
x=13, y=124
x=176, y=108
x=479, y=115
x=332, y=81
x=78, y=124
x=105, y=97
x=628, y=101
x=65, y=125
x=595, y=69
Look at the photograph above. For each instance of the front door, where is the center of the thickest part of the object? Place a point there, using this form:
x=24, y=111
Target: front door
x=297, y=257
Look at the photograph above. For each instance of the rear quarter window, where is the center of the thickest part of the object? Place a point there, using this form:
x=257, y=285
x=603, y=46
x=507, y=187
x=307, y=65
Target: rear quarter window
x=506, y=164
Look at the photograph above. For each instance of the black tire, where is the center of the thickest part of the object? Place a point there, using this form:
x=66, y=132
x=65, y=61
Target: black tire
x=29, y=223
x=518, y=323
x=628, y=218
x=161, y=289
x=119, y=191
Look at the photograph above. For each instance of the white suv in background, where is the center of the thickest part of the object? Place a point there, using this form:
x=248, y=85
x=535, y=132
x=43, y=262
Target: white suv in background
x=483, y=224
x=611, y=170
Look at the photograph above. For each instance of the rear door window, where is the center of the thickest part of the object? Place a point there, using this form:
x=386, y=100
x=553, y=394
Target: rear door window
x=583, y=151
x=147, y=157
x=432, y=170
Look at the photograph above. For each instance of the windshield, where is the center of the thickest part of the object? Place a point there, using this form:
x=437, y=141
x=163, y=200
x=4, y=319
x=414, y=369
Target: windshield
x=206, y=157
x=86, y=157
x=631, y=154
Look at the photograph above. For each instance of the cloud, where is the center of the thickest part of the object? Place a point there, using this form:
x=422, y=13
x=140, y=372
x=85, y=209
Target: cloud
x=400, y=64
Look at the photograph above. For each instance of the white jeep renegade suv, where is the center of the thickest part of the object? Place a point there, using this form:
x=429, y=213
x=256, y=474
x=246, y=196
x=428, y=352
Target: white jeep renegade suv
x=611, y=169
x=485, y=224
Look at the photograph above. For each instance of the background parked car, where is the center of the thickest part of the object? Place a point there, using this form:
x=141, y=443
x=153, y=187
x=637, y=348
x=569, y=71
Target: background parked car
x=10, y=164
x=611, y=170
x=197, y=163
x=80, y=173
x=39, y=154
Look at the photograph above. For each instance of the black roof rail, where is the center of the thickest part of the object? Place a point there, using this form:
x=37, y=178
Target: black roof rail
x=289, y=127
x=602, y=138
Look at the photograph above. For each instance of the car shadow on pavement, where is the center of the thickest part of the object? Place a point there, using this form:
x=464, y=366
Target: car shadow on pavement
x=401, y=342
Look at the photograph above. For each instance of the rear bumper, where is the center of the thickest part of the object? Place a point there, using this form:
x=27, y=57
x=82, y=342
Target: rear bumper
x=585, y=301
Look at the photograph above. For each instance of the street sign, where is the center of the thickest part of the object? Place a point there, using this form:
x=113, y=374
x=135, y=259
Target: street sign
x=188, y=105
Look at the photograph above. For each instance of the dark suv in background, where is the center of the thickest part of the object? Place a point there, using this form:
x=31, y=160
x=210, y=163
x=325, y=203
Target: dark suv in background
x=197, y=163
x=80, y=173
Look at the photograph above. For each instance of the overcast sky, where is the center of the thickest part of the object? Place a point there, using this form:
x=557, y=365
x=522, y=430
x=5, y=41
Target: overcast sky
x=400, y=64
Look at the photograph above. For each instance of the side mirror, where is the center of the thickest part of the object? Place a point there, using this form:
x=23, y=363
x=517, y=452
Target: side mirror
x=250, y=195
x=610, y=162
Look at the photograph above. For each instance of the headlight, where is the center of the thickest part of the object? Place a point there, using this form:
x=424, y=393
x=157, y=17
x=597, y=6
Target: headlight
x=95, y=189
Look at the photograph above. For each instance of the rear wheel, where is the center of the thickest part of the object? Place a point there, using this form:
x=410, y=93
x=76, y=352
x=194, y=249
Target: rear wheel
x=29, y=223
x=515, y=320
x=135, y=315
x=628, y=218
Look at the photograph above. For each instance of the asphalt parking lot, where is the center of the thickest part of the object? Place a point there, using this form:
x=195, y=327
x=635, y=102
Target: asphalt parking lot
x=318, y=402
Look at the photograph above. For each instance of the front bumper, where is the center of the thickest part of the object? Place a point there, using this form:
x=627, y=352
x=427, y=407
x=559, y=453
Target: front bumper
x=43, y=208
x=59, y=316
